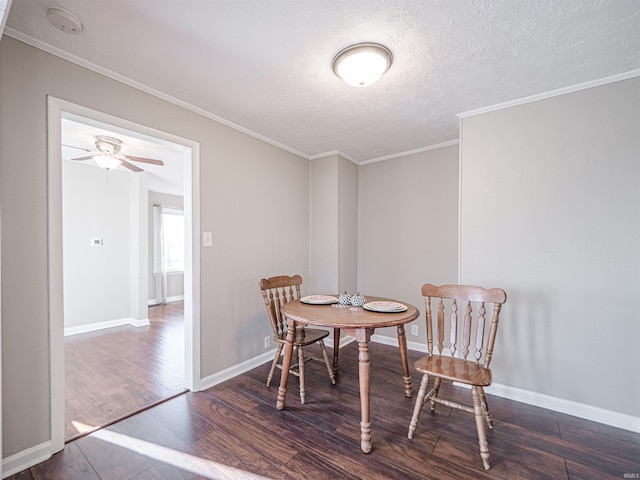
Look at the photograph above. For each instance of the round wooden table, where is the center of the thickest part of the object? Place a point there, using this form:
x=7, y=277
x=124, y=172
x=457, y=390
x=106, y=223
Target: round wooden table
x=359, y=323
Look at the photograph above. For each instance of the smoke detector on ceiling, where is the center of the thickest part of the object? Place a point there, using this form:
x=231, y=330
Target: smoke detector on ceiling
x=63, y=20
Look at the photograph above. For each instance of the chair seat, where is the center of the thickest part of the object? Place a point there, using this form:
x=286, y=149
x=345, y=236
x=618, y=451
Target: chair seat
x=454, y=369
x=305, y=336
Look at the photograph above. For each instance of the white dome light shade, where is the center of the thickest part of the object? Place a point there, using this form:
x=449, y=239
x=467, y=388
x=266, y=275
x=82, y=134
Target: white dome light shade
x=107, y=161
x=363, y=64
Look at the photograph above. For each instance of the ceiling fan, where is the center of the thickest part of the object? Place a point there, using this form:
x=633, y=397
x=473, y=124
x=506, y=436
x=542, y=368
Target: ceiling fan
x=108, y=155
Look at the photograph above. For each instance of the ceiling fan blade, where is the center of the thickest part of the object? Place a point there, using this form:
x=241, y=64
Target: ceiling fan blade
x=130, y=166
x=82, y=158
x=77, y=148
x=145, y=160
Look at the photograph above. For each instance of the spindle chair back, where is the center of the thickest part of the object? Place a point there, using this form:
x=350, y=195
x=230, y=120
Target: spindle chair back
x=460, y=346
x=276, y=292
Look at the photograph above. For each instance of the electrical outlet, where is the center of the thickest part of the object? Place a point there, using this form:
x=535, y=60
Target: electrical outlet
x=414, y=330
x=267, y=342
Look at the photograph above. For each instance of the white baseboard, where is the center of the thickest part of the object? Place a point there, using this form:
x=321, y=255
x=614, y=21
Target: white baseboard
x=154, y=301
x=229, y=373
x=588, y=412
x=92, y=327
x=254, y=362
x=142, y=322
x=393, y=341
x=26, y=459
x=34, y=455
x=581, y=410
x=345, y=340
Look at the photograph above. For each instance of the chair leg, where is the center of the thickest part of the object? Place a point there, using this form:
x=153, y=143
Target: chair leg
x=436, y=389
x=274, y=364
x=336, y=349
x=420, y=400
x=301, y=372
x=485, y=407
x=326, y=362
x=482, y=437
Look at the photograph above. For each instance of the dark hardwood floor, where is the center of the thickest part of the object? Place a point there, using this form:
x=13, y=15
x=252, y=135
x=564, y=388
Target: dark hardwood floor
x=117, y=371
x=234, y=431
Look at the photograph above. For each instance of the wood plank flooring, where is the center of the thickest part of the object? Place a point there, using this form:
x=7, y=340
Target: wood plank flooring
x=234, y=431
x=114, y=372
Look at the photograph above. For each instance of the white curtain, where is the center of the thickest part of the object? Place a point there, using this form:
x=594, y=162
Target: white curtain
x=159, y=270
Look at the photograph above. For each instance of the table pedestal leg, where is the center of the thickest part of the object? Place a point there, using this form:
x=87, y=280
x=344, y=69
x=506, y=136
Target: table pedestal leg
x=336, y=349
x=286, y=363
x=402, y=343
x=364, y=373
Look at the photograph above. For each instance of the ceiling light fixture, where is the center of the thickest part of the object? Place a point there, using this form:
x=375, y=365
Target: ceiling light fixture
x=107, y=161
x=362, y=64
x=109, y=148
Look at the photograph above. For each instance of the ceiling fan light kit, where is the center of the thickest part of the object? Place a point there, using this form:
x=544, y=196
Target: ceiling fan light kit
x=108, y=155
x=108, y=145
x=362, y=64
x=107, y=162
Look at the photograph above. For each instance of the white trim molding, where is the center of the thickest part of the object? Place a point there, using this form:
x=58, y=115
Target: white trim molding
x=335, y=152
x=580, y=410
x=56, y=108
x=39, y=44
x=92, y=327
x=393, y=341
x=229, y=373
x=153, y=302
x=142, y=87
x=344, y=340
x=411, y=152
x=553, y=93
x=569, y=407
x=26, y=459
x=235, y=370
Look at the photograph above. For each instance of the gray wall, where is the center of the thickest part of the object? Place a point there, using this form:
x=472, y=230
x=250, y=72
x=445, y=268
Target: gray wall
x=550, y=212
x=323, y=228
x=556, y=179
x=254, y=198
x=348, y=187
x=408, y=233
x=333, y=213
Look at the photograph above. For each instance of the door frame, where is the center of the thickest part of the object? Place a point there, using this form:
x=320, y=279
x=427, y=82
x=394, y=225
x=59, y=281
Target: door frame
x=56, y=108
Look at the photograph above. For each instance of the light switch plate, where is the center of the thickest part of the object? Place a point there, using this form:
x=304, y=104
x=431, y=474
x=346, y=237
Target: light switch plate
x=207, y=239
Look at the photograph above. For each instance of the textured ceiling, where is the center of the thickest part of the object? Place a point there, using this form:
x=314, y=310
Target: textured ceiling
x=265, y=66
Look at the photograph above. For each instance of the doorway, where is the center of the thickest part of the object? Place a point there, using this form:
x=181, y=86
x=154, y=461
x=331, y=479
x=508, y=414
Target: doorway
x=59, y=111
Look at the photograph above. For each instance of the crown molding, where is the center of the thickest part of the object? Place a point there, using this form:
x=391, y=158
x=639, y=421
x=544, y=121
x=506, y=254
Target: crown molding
x=144, y=88
x=187, y=106
x=386, y=157
x=334, y=152
x=553, y=93
x=411, y=152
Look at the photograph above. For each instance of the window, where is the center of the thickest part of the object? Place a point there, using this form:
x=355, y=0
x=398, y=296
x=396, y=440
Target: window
x=173, y=239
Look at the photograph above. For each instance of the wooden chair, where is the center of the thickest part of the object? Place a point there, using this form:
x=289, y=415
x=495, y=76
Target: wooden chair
x=277, y=291
x=454, y=366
